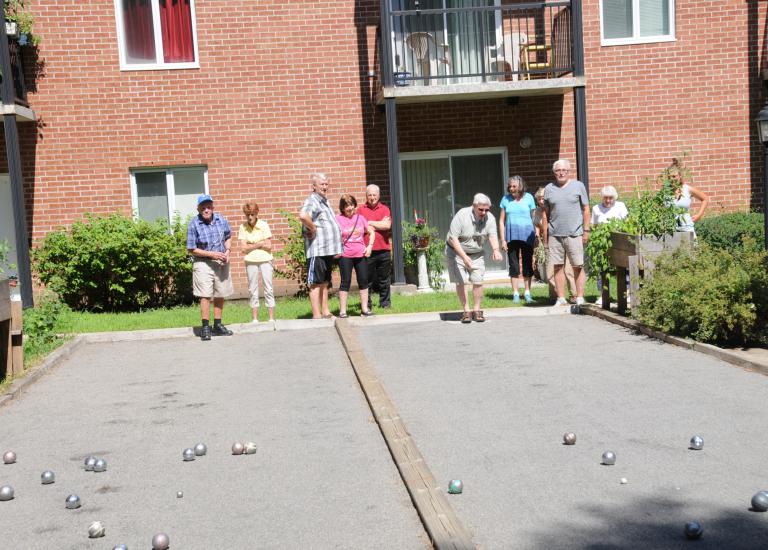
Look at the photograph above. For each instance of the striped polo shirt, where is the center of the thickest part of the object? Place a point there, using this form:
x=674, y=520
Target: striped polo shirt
x=327, y=241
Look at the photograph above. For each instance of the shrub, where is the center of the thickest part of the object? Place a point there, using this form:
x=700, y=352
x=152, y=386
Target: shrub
x=730, y=230
x=115, y=263
x=39, y=321
x=712, y=295
x=435, y=251
x=293, y=254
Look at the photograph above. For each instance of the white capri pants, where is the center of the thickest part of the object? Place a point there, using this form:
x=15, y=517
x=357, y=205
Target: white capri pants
x=253, y=271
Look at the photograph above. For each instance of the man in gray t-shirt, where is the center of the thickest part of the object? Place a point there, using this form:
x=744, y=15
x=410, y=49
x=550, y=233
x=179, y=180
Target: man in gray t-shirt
x=566, y=220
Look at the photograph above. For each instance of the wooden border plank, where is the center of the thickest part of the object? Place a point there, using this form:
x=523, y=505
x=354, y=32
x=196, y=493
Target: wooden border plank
x=440, y=520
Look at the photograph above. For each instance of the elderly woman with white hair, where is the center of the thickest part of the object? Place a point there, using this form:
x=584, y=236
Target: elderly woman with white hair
x=470, y=228
x=608, y=209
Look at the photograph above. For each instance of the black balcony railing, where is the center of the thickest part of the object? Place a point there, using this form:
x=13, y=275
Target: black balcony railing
x=432, y=43
x=17, y=70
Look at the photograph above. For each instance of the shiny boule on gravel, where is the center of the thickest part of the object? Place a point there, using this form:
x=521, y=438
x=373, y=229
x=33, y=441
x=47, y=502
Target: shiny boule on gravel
x=188, y=455
x=96, y=530
x=47, y=477
x=569, y=438
x=160, y=542
x=6, y=492
x=609, y=458
x=100, y=465
x=89, y=463
x=250, y=448
x=179, y=494
x=693, y=530
x=200, y=449
x=9, y=457
x=120, y=547
x=697, y=443
x=455, y=487
x=760, y=501
x=72, y=502
x=238, y=448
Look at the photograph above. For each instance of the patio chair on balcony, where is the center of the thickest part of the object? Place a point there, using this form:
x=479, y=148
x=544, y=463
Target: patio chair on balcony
x=505, y=57
x=536, y=57
x=426, y=55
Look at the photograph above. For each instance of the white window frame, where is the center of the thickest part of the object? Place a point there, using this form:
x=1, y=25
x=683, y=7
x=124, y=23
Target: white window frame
x=162, y=65
x=170, y=187
x=636, y=38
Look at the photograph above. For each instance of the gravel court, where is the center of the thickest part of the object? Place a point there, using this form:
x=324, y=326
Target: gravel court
x=322, y=477
x=489, y=403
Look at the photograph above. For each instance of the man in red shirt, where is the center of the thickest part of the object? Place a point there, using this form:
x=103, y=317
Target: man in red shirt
x=380, y=261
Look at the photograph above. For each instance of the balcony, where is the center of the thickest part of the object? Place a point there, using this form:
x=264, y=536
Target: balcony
x=19, y=107
x=445, y=50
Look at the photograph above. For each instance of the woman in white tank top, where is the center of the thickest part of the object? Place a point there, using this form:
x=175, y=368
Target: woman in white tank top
x=683, y=198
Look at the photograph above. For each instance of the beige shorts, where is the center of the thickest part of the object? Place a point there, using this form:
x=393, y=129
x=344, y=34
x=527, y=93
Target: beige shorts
x=559, y=247
x=211, y=279
x=457, y=271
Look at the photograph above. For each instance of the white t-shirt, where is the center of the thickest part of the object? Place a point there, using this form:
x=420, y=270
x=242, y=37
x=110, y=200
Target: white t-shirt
x=601, y=214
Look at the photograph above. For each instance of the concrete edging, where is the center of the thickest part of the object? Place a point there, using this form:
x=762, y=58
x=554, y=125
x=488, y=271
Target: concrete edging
x=729, y=356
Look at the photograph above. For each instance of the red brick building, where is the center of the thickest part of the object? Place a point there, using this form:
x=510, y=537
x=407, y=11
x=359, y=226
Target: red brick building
x=139, y=105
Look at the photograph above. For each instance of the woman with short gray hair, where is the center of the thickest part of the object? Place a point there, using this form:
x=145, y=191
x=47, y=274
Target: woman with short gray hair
x=517, y=235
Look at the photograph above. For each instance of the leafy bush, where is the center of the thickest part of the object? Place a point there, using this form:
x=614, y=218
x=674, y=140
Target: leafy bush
x=39, y=321
x=293, y=253
x=4, y=249
x=435, y=251
x=115, y=263
x=731, y=230
x=709, y=294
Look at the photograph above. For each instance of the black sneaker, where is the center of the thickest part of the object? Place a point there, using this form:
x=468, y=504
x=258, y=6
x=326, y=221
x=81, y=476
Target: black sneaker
x=205, y=333
x=221, y=330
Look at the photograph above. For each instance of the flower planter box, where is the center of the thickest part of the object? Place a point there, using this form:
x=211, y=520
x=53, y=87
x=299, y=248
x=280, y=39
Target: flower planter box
x=636, y=254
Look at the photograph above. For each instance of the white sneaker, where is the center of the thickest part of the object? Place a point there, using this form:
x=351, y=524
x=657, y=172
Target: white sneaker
x=599, y=302
x=579, y=301
x=561, y=302
x=254, y=320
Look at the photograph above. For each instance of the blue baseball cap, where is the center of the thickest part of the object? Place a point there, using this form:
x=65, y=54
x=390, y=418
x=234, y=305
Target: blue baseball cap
x=204, y=198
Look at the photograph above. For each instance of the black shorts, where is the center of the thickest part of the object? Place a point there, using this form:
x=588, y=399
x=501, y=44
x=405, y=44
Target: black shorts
x=319, y=269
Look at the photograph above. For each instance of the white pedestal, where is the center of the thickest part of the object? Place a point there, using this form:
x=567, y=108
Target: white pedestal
x=421, y=257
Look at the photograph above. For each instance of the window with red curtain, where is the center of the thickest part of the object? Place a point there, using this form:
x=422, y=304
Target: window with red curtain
x=139, y=31
x=176, y=25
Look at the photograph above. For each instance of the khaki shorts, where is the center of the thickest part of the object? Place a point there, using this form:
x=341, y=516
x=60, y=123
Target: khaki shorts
x=457, y=271
x=211, y=279
x=559, y=247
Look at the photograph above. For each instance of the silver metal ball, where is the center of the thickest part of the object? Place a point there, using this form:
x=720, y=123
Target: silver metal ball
x=238, y=448
x=179, y=494
x=120, y=547
x=47, y=477
x=569, y=438
x=697, y=443
x=609, y=458
x=760, y=501
x=9, y=457
x=72, y=502
x=250, y=448
x=693, y=530
x=89, y=463
x=160, y=542
x=188, y=454
x=100, y=465
x=201, y=449
x=96, y=530
x=455, y=487
x=6, y=492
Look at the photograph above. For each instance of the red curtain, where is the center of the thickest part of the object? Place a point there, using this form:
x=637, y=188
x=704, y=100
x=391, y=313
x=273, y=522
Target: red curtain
x=176, y=24
x=139, y=32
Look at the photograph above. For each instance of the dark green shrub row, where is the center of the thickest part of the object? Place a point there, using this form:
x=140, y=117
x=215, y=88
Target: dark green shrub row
x=116, y=263
x=729, y=230
x=713, y=295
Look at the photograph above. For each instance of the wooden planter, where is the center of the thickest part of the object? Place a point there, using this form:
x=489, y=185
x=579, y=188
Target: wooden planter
x=636, y=255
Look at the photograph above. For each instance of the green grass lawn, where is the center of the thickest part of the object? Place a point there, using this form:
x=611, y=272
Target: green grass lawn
x=287, y=308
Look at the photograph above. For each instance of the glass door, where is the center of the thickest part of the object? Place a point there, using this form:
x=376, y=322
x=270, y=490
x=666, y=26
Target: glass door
x=427, y=190
x=7, y=228
x=472, y=36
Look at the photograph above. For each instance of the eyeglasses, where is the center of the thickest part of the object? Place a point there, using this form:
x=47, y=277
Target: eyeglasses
x=483, y=209
x=561, y=170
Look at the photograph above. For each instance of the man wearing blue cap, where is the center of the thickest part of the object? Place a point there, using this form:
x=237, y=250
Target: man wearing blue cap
x=209, y=239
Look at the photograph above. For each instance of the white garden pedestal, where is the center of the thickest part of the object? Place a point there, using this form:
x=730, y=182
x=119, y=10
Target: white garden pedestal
x=421, y=261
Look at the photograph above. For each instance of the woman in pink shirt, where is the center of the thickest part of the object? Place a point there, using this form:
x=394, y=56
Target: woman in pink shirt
x=354, y=228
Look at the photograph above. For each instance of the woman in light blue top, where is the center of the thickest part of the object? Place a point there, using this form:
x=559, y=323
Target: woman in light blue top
x=517, y=234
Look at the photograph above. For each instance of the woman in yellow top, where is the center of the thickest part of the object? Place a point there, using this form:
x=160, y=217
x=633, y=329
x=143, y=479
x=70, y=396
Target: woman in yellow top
x=256, y=240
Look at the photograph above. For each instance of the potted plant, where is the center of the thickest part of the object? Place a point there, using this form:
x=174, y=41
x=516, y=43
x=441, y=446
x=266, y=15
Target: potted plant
x=19, y=22
x=420, y=236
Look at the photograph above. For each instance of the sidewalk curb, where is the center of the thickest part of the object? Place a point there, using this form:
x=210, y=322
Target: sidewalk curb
x=729, y=356
x=31, y=376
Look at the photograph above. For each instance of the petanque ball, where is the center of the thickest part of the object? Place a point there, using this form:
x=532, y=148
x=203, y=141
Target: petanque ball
x=188, y=455
x=569, y=438
x=693, y=530
x=89, y=463
x=250, y=448
x=179, y=494
x=760, y=501
x=100, y=465
x=238, y=448
x=6, y=492
x=455, y=487
x=47, y=477
x=120, y=547
x=609, y=458
x=697, y=443
x=200, y=449
x=9, y=457
x=72, y=502
x=160, y=542
x=96, y=530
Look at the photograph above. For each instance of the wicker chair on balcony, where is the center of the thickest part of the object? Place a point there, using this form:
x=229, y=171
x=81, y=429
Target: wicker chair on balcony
x=425, y=53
